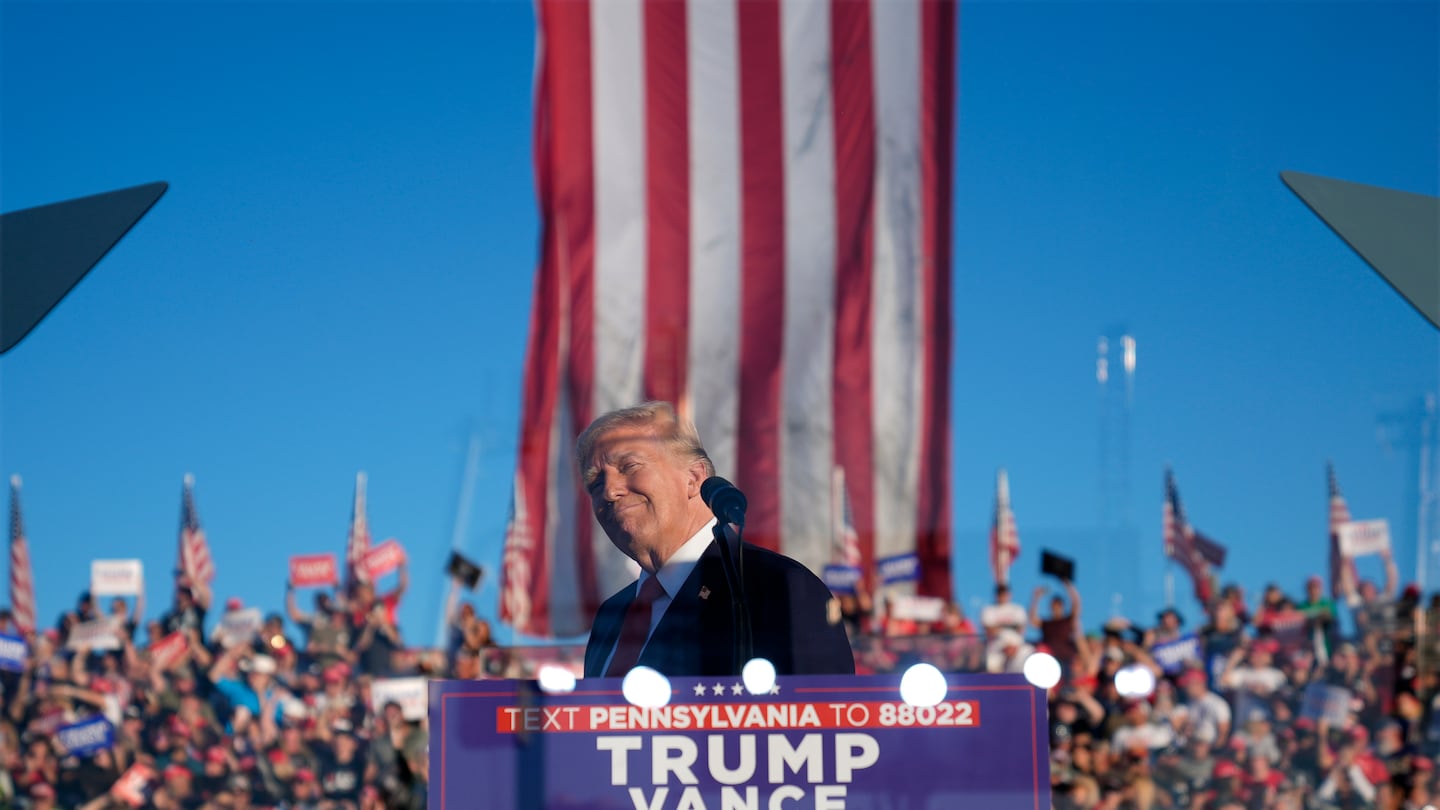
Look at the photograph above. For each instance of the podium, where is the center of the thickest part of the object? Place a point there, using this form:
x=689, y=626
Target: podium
x=811, y=743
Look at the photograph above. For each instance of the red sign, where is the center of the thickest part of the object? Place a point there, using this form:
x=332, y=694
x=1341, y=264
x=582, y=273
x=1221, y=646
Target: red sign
x=166, y=652
x=131, y=787
x=384, y=558
x=313, y=570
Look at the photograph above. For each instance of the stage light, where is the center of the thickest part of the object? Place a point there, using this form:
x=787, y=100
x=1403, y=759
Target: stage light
x=1134, y=681
x=556, y=680
x=1042, y=670
x=923, y=685
x=646, y=688
x=759, y=676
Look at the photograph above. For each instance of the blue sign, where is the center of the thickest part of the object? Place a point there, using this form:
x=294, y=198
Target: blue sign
x=1173, y=656
x=900, y=568
x=842, y=578
x=87, y=736
x=14, y=653
x=811, y=742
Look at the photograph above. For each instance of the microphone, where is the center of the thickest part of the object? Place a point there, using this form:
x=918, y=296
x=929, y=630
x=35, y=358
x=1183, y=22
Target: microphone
x=727, y=502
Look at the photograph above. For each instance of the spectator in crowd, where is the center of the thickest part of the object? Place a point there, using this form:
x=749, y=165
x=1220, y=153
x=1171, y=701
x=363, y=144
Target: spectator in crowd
x=1059, y=631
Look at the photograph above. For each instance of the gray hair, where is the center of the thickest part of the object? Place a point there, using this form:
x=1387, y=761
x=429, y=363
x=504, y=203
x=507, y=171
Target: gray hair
x=679, y=434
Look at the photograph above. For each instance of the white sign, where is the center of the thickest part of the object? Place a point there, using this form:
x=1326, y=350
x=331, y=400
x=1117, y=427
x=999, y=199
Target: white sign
x=918, y=608
x=411, y=693
x=98, y=634
x=239, y=626
x=1360, y=538
x=116, y=578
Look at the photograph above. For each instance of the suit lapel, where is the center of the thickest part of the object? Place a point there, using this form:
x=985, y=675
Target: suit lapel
x=693, y=634
x=606, y=631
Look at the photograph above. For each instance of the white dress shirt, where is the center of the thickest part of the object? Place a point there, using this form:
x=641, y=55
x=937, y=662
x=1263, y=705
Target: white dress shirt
x=672, y=576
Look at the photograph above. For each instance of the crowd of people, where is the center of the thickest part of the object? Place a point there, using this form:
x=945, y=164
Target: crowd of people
x=1293, y=703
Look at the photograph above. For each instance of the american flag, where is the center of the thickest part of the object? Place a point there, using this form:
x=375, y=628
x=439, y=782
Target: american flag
x=1004, y=537
x=519, y=551
x=845, y=541
x=1193, y=550
x=1343, y=575
x=22, y=579
x=358, y=544
x=746, y=211
x=194, y=553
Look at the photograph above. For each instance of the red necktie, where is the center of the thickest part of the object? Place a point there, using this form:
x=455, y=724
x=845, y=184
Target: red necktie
x=636, y=629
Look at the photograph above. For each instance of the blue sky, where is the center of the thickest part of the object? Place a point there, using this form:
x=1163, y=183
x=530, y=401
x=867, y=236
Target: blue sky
x=340, y=275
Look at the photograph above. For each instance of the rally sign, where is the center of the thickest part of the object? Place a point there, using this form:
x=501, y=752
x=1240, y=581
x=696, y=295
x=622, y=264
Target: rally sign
x=1174, y=656
x=14, y=653
x=811, y=742
x=1360, y=538
x=1331, y=703
x=842, y=578
x=133, y=786
x=86, y=737
x=917, y=608
x=313, y=570
x=410, y=693
x=240, y=626
x=384, y=558
x=167, y=652
x=96, y=634
x=899, y=568
x=117, y=577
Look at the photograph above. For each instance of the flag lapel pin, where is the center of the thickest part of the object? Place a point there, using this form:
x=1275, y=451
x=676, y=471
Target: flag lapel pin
x=704, y=592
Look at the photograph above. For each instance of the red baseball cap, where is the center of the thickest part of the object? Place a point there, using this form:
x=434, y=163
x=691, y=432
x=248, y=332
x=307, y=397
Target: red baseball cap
x=234, y=603
x=215, y=754
x=305, y=775
x=1225, y=768
x=176, y=771
x=1190, y=676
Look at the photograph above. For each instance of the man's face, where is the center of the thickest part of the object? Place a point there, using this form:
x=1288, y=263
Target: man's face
x=641, y=492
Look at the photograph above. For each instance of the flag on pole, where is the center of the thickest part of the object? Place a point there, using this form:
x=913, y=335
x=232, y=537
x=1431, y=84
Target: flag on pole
x=358, y=543
x=845, y=541
x=194, y=553
x=1004, y=537
x=1194, y=551
x=1343, y=575
x=516, y=601
x=22, y=579
x=746, y=210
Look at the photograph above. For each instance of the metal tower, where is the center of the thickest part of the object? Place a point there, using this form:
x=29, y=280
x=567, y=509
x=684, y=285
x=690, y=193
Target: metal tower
x=1115, y=378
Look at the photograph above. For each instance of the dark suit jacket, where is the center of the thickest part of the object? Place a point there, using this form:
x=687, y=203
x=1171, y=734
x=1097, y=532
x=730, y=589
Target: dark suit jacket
x=790, y=617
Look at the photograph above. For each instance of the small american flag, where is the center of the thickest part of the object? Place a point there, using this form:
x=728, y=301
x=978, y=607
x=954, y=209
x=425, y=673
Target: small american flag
x=846, y=540
x=358, y=544
x=195, y=561
x=519, y=551
x=22, y=582
x=1004, y=537
x=1343, y=575
x=1196, y=552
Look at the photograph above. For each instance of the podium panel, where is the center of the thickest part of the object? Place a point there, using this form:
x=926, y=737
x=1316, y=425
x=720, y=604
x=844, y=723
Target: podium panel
x=812, y=743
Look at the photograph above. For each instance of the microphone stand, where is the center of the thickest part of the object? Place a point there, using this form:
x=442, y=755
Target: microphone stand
x=733, y=562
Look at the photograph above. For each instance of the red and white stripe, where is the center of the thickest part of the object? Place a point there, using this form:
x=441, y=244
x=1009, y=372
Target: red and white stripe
x=747, y=212
x=1004, y=537
x=195, y=560
x=22, y=579
x=845, y=543
x=358, y=543
x=1343, y=573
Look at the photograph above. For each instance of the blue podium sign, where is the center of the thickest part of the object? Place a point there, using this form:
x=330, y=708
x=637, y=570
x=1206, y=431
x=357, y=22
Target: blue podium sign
x=812, y=743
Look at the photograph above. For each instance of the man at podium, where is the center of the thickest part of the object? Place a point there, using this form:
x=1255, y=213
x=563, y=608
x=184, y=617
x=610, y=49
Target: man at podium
x=643, y=468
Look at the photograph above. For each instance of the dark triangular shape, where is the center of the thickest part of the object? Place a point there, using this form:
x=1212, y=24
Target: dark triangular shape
x=1395, y=232
x=45, y=251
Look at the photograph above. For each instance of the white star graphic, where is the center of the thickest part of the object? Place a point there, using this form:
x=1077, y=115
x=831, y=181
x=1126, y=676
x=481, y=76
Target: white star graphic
x=699, y=690
x=718, y=689
x=775, y=690
x=737, y=689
